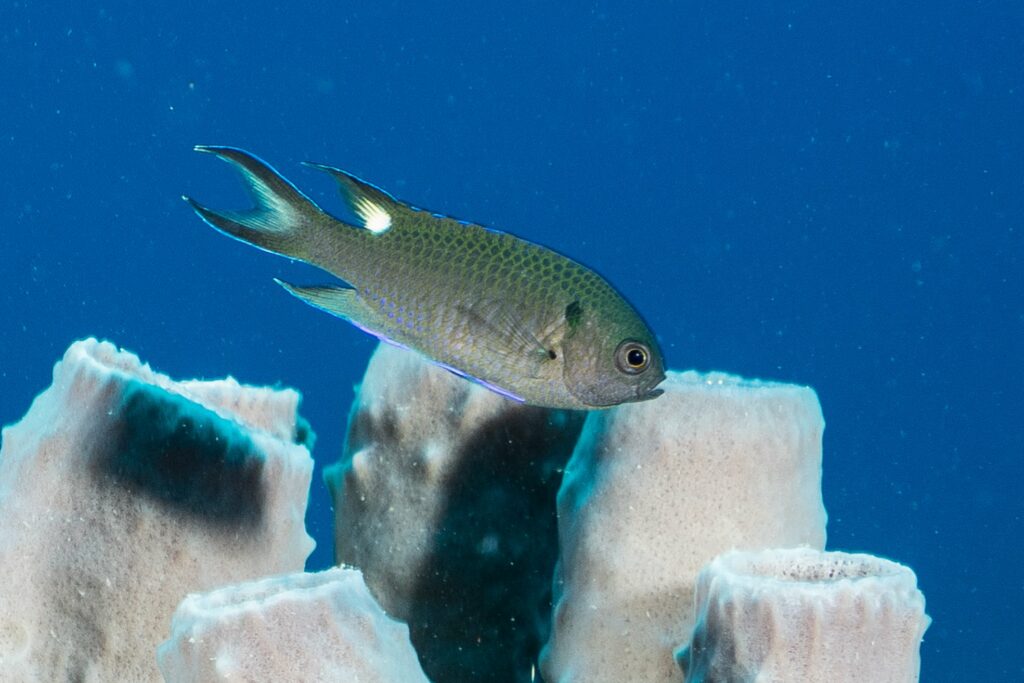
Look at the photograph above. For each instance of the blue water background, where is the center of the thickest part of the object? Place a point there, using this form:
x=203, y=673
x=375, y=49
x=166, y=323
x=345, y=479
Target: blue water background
x=821, y=193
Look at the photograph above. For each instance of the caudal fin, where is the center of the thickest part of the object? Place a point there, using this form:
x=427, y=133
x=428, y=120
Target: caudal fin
x=281, y=217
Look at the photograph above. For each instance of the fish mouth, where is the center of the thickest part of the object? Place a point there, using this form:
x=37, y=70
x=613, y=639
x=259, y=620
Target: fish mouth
x=647, y=395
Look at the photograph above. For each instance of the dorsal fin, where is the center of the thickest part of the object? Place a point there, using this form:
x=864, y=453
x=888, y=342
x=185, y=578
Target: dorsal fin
x=374, y=207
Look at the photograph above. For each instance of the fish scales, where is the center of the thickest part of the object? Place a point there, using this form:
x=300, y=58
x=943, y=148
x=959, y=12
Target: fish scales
x=424, y=267
x=515, y=316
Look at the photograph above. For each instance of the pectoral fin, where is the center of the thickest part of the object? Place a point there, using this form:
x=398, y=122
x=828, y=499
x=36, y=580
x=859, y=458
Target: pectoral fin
x=509, y=334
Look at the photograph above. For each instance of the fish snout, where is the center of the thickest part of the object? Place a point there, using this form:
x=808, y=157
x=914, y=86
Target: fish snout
x=647, y=393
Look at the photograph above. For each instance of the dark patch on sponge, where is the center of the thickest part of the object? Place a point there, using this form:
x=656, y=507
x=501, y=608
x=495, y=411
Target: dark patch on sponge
x=482, y=607
x=185, y=458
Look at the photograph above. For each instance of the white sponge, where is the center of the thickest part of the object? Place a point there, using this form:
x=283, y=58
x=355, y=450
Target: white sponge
x=802, y=615
x=120, y=492
x=321, y=627
x=445, y=499
x=653, y=492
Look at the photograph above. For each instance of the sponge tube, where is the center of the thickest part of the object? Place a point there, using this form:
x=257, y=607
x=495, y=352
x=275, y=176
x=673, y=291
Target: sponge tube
x=313, y=627
x=805, y=615
x=444, y=498
x=652, y=493
x=120, y=492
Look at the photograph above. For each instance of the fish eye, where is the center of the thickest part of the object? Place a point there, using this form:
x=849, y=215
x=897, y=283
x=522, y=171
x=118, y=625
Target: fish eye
x=632, y=357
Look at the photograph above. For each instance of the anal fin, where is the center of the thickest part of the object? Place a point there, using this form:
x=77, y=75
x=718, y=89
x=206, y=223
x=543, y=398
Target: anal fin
x=345, y=303
x=340, y=301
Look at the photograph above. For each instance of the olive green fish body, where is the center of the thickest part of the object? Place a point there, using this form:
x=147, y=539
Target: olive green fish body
x=515, y=316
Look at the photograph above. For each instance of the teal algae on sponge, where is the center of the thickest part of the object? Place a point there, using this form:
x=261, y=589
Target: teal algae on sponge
x=656, y=490
x=120, y=492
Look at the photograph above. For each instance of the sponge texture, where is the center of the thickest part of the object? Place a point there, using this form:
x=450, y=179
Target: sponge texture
x=653, y=492
x=120, y=492
x=805, y=615
x=445, y=498
x=321, y=627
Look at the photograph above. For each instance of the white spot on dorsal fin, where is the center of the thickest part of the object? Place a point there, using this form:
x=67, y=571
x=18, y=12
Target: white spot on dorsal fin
x=375, y=217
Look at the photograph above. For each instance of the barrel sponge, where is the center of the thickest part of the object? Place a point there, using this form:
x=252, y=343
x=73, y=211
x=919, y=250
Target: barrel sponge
x=653, y=492
x=445, y=499
x=120, y=492
x=322, y=627
x=805, y=615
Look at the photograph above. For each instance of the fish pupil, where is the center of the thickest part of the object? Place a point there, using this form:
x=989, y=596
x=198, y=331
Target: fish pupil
x=632, y=357
x=551, y=354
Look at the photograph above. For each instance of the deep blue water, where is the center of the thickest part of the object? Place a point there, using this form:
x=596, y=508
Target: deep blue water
x=822, y=193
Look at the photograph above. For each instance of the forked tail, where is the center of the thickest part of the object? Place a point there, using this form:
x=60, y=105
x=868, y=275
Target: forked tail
x=282, y=218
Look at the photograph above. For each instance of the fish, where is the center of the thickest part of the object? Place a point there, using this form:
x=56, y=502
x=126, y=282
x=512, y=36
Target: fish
x=514, y=316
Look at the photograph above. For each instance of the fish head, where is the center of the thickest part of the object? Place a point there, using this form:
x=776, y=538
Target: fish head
x=611, y=358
